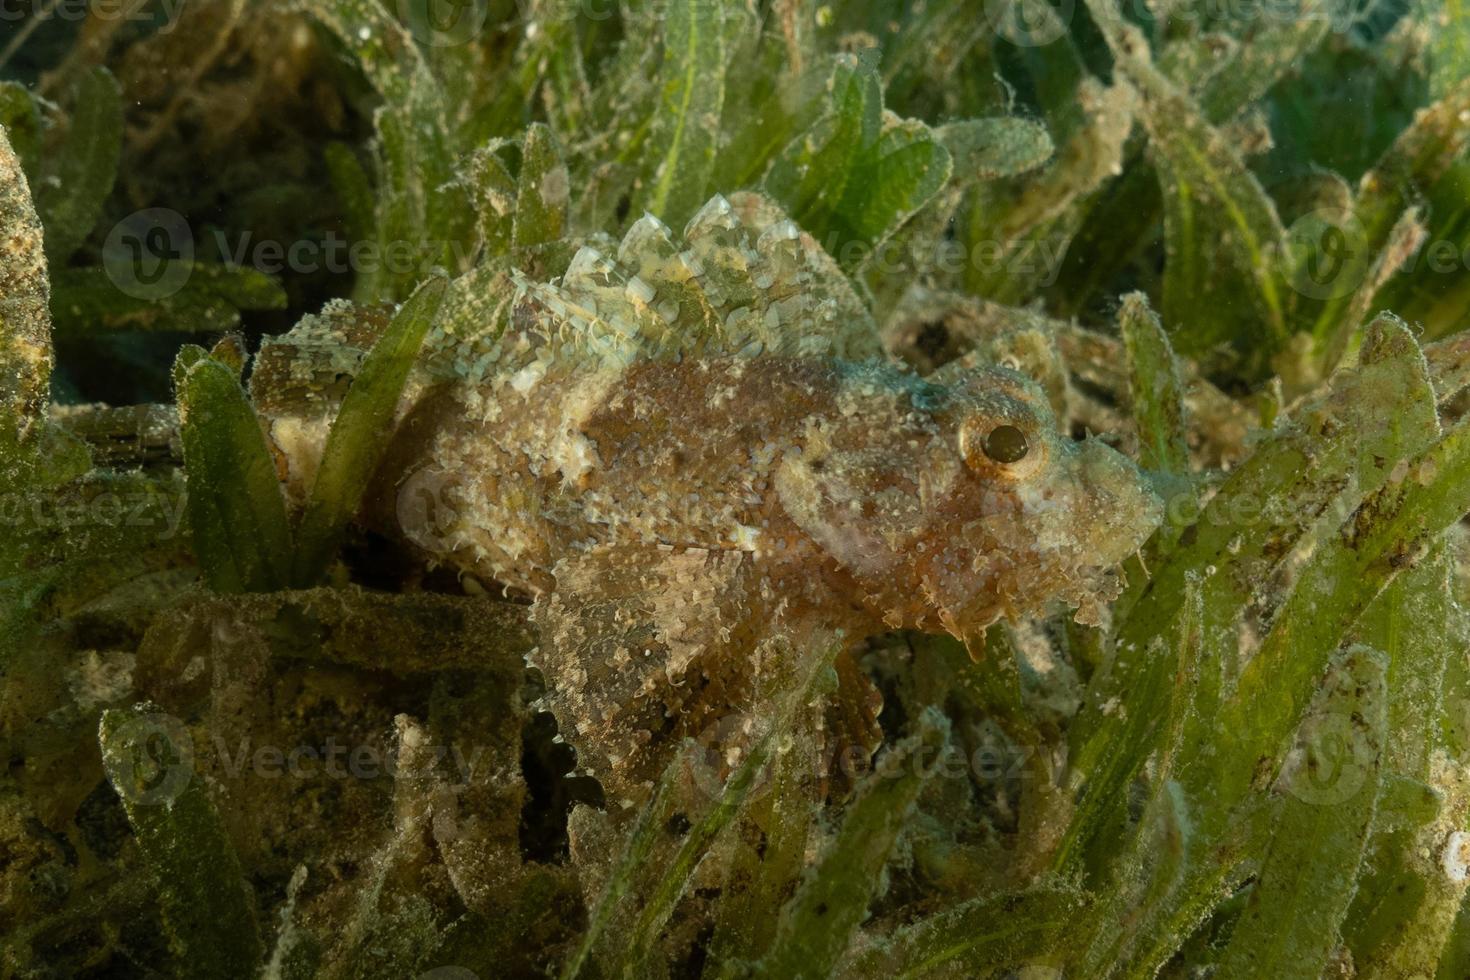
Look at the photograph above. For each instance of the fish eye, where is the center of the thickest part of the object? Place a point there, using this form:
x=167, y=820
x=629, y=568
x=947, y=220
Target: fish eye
x=1006, y=444
x=1001, y=448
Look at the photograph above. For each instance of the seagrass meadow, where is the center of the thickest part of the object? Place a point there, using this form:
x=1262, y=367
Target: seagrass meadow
x=1039, y=551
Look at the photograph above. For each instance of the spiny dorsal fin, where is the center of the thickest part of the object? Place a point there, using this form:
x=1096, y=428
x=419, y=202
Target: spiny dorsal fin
x=307, y=370
x=743, y=278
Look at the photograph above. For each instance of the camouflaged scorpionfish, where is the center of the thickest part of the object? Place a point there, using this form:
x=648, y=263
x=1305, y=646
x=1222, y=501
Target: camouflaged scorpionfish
x=687, y=451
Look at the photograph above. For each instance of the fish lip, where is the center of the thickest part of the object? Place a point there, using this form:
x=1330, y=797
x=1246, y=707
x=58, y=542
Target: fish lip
x=1129, y=499
x=1105, y=507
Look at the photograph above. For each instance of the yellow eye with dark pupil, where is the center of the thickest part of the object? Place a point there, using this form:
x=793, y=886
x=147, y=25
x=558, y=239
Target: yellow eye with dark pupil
x=1006, y=444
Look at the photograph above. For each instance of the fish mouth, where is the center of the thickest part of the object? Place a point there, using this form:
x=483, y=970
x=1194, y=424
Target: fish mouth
x=1064, y=546
x=1120, y=506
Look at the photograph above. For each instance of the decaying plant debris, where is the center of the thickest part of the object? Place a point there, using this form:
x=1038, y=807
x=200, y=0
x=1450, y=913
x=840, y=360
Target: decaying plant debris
x=407, y=616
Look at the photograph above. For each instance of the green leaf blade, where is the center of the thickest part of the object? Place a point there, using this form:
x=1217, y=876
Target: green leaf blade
x=241, y=535
x=26, y=355
x=993, y=148
x=857, y=175
x=543, y=190
x=355, y=443
x=71, y=196
x=1157, y=388
x=1346, y=439
x=1290, y=925
x=681, y=149
x=87, y=300
x=980, y=934
x=208, y=908
x=818, y=923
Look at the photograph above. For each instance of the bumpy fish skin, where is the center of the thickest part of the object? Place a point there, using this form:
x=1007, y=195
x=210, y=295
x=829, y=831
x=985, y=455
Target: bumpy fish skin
x=849, y=485
x=693, y=455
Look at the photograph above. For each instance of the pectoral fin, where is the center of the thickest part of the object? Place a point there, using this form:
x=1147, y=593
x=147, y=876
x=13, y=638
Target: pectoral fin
x=643, y=647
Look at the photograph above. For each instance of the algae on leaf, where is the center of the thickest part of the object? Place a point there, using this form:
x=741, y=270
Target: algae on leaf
x=206, y=902
x=817, y=924
x=355, y=445
x=71, y=194
x=682, y=145
x=1222, y=233
x=857, y=173
x=543, y=190
x=1158, y=389
x=25, y=333
x=1290, y=924
x=236, y=511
